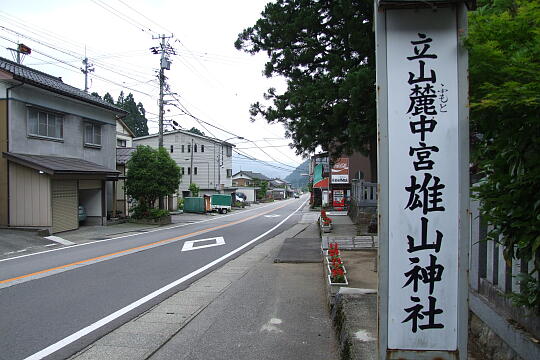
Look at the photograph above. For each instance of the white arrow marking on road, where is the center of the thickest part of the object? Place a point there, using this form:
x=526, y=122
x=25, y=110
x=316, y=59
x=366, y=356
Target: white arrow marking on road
x=270, y=216
x=189, y=245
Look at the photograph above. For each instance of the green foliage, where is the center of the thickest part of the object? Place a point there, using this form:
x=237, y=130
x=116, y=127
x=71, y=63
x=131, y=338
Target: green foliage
x=194, y=189
x=141, y=211
x=180, y=203
x=326, y=51
x=194, y=130
x=136, y=118
x=158, y=213
x=108, y=98
x=504, y=48
x=151, y=174
x=261, y=193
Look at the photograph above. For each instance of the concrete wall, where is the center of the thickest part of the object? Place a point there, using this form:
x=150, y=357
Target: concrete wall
x=206, y=162
x=32, y=192
x=72, y=144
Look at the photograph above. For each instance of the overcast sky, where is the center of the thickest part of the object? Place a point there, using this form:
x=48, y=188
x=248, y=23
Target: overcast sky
x=213, y=80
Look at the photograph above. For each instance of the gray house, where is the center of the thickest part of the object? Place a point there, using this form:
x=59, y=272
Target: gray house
x=58, y=147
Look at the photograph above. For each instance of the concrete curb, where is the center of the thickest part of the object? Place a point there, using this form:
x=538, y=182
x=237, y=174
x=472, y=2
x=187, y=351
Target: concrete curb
x=141, y=337
x=355, y=318
x=354, y=315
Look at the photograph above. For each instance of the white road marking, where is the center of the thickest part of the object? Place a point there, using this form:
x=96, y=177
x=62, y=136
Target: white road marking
x=115, y=315
x=271, y=326
x=272, y=216
x=189, y=245
x=59, y=240
x=139, y=233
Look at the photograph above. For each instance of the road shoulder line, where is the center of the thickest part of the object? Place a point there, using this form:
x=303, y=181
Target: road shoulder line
x=170, y=316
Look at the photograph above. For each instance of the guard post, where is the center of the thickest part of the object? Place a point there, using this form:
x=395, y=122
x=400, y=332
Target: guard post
x=422, y=110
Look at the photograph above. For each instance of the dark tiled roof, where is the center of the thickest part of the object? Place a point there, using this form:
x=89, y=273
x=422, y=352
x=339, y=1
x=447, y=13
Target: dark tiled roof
x=56, y=165
x=253, y=175
x=124, y=154
x=51, y=83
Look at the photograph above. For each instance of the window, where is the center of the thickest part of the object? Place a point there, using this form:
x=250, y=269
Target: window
x=195, y=170
x=183, y=171
x=228, y=150
x=195, y=148
x=172, y=149
x=182, y=148
x=46, y=124
x=202, y=148
x=121, y=143
x=92, y=134
x=229, y=173
x=189, y=148
x=189, y=171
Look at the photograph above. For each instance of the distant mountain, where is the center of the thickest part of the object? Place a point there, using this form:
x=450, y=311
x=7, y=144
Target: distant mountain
x=298, y=178
x=273, y=170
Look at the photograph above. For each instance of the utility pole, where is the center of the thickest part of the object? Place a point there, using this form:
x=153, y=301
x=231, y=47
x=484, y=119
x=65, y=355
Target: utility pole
x=191, y=165
x=164, y=50
x=164, y=64
x=21, y=49
x=88, y=68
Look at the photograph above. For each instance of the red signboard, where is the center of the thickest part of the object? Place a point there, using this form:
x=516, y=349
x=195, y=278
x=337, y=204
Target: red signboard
x=340, y=171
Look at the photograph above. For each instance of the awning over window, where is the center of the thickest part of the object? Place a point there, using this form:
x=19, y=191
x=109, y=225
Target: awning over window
x=323, y=184
x=56, y=165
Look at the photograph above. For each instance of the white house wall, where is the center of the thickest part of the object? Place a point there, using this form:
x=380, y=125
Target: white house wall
x=33, y=193
x=205, y=162
x=123, y=134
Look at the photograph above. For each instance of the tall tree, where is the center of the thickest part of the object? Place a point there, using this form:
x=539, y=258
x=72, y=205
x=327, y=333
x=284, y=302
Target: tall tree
x=151, y=174
x=194, y=130
x=504, y=48
x=136, y=119
x=108, y=98
x=325, y=49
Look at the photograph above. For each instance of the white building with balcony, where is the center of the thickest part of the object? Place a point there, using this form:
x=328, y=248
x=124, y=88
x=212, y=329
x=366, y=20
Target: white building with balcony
x=204, y=160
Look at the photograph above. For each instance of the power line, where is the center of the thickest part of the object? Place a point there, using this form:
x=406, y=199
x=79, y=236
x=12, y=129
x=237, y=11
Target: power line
x=122, y=16
x=268, y=146
x=146, y=17
x=261, y=161
x=226, y=131
x=69, y=53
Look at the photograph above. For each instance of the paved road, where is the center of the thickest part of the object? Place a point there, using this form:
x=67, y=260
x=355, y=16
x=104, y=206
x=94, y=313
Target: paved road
x=55, y=303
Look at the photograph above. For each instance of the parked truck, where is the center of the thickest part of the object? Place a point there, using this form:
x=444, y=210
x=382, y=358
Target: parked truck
x=221, y=203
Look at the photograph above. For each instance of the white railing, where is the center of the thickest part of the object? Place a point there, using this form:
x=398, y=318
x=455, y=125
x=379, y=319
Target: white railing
x=364, y=193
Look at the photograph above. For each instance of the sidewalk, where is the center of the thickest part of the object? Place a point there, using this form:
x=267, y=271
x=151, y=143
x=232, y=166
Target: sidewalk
x=251, y=308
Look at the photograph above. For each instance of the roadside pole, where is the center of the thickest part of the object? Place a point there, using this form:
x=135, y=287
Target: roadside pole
x=423, y=156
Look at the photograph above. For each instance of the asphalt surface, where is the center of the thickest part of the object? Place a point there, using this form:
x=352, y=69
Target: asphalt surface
x=87, y=283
